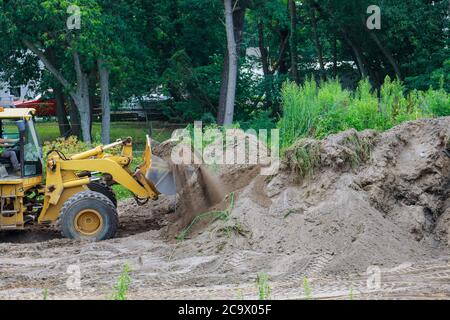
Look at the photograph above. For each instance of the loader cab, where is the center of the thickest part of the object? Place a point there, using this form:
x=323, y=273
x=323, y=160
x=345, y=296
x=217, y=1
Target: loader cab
x=27, y=149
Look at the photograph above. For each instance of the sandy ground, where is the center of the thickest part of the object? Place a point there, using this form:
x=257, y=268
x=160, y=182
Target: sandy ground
x=371, y=222
x=160, y=270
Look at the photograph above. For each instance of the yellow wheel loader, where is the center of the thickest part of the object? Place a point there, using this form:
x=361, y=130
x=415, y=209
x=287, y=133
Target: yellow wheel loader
x=76, y=195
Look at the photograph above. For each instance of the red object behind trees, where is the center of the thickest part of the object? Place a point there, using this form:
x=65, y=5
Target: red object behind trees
x=44, y=108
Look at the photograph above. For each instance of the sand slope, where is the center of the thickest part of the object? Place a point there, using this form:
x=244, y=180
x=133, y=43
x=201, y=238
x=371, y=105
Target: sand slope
x=374, y=199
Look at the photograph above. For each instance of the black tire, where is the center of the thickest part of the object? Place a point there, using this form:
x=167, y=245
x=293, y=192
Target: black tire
x=90, y=204
x=104, y=189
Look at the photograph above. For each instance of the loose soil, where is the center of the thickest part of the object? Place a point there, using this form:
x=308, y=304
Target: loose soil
x=371, y=204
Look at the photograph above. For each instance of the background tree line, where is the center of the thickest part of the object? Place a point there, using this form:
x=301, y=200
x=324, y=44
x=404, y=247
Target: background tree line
x=200, y=53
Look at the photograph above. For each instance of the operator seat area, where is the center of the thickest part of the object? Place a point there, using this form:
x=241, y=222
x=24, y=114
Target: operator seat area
x=9, y=131
x=19, y=137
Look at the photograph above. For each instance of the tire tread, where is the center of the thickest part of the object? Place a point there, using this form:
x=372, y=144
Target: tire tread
x=90, y=195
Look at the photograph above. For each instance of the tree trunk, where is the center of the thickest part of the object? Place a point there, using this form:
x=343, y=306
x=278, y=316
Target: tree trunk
x=80, y=95
x=263, y=50
x=105, y=101
x=74, y=119
x=265, y=66
x=293, y=41
x=282, y=65
x=312, y=13
x=223, y=90
x=92, y=85
x=232, y=66
x=358, y=55
x=81, y=99
x=239, y=23
x=61, y=114
x=385, y=51
x=387, y=54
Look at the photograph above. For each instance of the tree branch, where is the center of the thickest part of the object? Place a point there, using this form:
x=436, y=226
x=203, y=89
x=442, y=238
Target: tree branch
x=78, y=70
x=283, y=46
x=50, y=67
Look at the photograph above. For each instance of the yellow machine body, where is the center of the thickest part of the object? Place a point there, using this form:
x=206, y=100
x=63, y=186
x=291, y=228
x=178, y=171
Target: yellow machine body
x=25, y=198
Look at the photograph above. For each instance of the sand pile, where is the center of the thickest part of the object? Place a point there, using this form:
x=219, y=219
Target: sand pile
x=336, y=207
x=204, y=187
x=362, y=199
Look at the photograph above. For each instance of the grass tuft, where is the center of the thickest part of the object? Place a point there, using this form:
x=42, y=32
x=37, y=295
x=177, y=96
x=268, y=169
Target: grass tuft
x=262, y=283
x=213, y=216
x=307, y=289
x=123, y=283
x=304, y=157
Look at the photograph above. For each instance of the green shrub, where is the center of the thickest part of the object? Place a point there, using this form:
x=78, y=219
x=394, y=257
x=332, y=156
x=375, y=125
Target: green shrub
x=392, y=101
x=72, y=145
x=316, y=111
x=68, y=147
x=45, y=294
x=397, y=108
x=363, y=111
x=260, y=119
x=437, y=102
x=333, y=102
x=300, y=111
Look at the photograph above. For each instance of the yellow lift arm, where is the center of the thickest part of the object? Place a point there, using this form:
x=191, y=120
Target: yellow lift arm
x=64, y=175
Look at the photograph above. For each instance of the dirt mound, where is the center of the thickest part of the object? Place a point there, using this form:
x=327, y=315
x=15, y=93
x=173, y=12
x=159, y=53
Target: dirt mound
x=204, y=188
x=336, y=207
x=352, y=200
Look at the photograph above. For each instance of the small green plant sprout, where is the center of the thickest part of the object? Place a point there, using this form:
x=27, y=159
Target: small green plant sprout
x=240, y=294
x=123, y=283
x=45, y=294
x=350, y=295
x=307, y=289
x=233, y=227
x=262, y=283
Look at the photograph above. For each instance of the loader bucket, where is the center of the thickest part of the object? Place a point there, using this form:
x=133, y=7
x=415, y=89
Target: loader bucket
x=161, y=176
x=158, y=172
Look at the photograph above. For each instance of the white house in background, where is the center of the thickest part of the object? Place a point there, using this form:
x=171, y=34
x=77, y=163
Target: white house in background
x=9, y=96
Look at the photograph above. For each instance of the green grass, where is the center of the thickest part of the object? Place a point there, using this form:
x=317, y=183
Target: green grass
x=317, y=110
x=121, y=192
x=307, y=289
x=45, y=294
x=304, y=157
x=240, y=294
x=237, y=228
x=262, y=283
x=49, y=131
x=123, y=283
